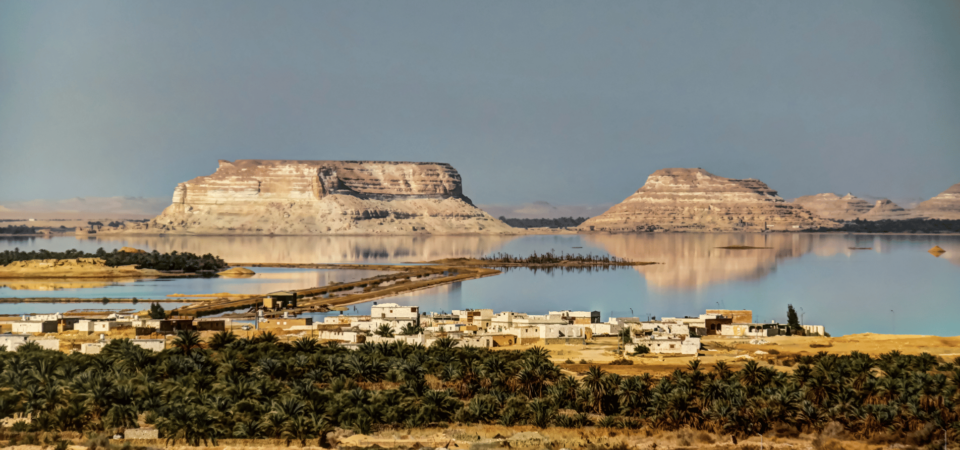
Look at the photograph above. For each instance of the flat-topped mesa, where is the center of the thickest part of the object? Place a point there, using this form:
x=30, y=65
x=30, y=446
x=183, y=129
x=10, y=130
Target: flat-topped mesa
x=697, y=200
x=945, y=205
x=323, y=197
x=832, y=206
x=265, y=181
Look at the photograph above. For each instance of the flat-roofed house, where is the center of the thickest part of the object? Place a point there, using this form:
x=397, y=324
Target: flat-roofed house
x=35, y=326
x=750, y=329
x=280, y=300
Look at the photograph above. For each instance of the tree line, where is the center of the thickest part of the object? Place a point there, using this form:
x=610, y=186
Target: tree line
x=553, y=258
x=898, y=226
x=187, y=262
x=232, y=387
x=560, y=222
x=18, y=229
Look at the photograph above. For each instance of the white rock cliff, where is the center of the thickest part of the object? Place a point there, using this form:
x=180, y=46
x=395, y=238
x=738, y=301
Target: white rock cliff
x=697, y=200
x=323, y=197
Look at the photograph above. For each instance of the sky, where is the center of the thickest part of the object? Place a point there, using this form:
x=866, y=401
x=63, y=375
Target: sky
x=570, y=103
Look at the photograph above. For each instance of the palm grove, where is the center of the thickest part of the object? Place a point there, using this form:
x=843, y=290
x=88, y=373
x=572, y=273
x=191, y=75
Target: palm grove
x=260, y=387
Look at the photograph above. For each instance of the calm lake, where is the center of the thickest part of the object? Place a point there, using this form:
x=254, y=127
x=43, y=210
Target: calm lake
x=894, y=286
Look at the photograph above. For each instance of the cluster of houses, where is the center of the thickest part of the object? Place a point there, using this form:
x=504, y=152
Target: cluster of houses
x=31, y=328
x=484, y=328
x=391, y=322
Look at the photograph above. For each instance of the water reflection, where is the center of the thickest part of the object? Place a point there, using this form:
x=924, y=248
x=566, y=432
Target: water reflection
x=696, y=261
x=33, y=284
x=318, y=249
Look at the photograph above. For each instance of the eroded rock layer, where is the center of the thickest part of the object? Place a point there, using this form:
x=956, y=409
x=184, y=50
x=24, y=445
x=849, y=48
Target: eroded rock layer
x=945, y=205
x=886, y=209
x=323, y=197
x=832, y=206
x=697, y=200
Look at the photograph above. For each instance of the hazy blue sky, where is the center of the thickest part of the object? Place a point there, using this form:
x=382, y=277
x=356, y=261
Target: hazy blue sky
x=567, y=102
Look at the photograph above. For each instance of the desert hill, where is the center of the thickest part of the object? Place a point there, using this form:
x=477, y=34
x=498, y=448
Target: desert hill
x=697, y=200
x=279, y=197
x=945, y=205
x=832, y=206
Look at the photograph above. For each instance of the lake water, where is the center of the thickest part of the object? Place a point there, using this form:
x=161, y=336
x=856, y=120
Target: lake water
x=895, y=286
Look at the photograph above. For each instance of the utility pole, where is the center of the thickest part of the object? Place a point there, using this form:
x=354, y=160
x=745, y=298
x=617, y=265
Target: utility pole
x=801, y=316
x=893, y=321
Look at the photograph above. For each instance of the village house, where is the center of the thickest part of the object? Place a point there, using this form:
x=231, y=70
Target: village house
x=394, y=315
x=750, y=330
x=35, y=326
x=671, y=345
x=12, y=341
x=577, y=317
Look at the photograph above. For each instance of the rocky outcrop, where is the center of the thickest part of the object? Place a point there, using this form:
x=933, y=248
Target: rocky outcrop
x=945, y=205
x=323, y=197
x=697, y=200
x=886, y=209
x=832, y=206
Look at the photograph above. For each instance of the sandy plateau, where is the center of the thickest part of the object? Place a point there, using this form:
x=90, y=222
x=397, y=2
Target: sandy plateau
x=73, y=268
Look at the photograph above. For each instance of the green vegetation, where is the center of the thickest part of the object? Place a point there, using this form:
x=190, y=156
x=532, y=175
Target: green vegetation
x=157, y=312
x=793, y=321
x=410, y=329
x=553, y=258
x=898, y=226
x=17, y=229
x=187, y=262
x=641, y=350
x=263, y=388
x=626, y=337
x=384, y=331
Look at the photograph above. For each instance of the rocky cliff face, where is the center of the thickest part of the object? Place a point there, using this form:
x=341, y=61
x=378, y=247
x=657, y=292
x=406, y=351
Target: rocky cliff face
x=832, y=206
x=946, y=205
x=323, y=197
x=697, y=200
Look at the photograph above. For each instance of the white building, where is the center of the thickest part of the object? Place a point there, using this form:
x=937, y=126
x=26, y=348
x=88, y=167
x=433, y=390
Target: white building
x=750, y=329
x=480, y=317
x=92, y=348
x=688, y=346
x=394, y=315
x=85, y=326
x=12, y=341
x=107, y=325
x=522, y=333
x=351, y=337
x=410, y=339
x=48, y=344
x=561, y=331
x=156, y=345
x=504, y=320
x=395, y=311
x=33, y=326
x=604, y=328
x=577, y=317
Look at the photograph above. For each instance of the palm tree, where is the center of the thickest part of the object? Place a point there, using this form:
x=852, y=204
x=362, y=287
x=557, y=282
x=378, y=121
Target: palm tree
x=595, y=383
x=222, y=339
x=384, y=330
x=187, y=341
